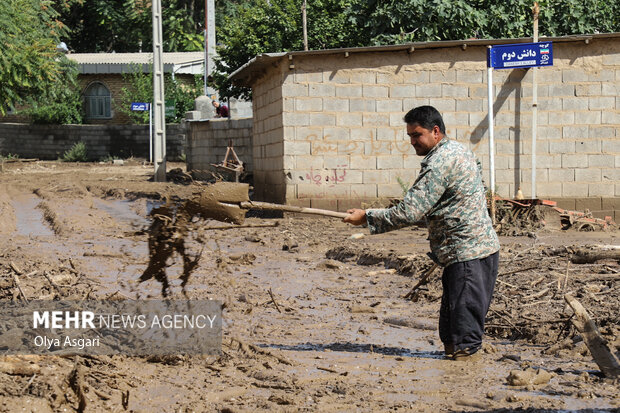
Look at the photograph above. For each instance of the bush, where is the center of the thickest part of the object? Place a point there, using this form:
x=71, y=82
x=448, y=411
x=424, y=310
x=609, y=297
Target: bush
x=77, y=153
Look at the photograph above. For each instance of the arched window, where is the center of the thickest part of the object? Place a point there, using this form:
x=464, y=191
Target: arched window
x=97, y=101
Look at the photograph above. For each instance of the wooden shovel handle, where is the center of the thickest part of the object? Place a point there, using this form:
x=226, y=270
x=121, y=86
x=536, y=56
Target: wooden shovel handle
x=291, y=208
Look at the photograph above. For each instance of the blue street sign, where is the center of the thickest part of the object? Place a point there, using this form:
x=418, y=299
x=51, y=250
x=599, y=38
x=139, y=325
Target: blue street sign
x=139, y=106
x=512, y=56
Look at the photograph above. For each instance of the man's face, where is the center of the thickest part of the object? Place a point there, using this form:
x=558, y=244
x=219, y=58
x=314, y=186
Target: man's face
x=423, y=140
x=215, y=104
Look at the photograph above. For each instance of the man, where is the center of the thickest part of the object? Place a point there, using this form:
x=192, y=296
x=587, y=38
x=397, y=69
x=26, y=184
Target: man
x=221, y=111
x=450, y=194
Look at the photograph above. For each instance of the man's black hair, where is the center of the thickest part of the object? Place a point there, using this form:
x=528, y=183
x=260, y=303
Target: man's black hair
x=426, y=116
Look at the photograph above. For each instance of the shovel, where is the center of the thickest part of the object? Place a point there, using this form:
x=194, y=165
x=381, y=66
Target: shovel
x=228, y=202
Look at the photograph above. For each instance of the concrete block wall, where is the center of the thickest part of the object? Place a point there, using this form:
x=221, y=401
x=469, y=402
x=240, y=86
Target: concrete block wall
x=344, y=140
x=269, y=137
x=51, y=141
x=207, y=141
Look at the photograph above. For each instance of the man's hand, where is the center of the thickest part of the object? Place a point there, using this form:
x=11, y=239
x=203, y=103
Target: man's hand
x=355, y=217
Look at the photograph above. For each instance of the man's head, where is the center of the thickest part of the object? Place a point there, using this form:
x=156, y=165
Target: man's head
x=215, y=104
x=425, y=128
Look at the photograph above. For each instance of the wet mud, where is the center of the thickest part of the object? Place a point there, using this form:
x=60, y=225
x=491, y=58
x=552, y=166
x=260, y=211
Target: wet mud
x=315, y=317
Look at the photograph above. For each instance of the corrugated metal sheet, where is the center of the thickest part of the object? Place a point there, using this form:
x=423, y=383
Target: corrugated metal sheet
x=97, y=63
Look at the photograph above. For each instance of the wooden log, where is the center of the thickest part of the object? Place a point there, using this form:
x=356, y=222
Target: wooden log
x=597, y=345
x=583, y=256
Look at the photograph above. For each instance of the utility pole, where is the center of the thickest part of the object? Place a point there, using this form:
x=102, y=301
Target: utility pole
x=305, y=24
x=159, y=109
x=209, y=39
x=535, y=11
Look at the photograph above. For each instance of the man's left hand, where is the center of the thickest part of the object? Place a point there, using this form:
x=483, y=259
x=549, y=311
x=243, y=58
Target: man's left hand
x=355, y=217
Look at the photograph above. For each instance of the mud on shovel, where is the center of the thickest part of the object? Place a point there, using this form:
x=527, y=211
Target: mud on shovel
x=229, y=201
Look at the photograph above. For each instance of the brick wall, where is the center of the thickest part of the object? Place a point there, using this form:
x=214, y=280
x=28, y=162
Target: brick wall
x=344, y=139
x=51, y=141
x=207, y=141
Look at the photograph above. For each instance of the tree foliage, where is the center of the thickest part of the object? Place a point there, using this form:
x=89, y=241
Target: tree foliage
x=267, y=26
x=29, y=61
x=61, y=103
x=140, y=89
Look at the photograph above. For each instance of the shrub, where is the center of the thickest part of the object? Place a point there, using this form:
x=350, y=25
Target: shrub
x=77, y=153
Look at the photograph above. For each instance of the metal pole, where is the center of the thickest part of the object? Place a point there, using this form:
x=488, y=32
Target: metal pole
x=535, y=11
x=159, y=160
x=305, y=24
x=150, y=132
x=491, y=141
x=206, y=48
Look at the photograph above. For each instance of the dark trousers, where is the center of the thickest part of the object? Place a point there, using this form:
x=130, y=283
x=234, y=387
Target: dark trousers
x=467, y=291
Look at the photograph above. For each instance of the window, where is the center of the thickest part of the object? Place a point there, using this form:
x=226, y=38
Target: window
x=97, y=101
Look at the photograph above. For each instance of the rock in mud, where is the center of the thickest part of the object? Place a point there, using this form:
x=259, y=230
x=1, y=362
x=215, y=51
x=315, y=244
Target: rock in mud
x=528, y=377
x=329, y=264
x=361, y=309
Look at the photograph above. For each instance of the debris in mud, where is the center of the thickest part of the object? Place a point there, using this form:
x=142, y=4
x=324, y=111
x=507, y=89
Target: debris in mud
x=528, y=377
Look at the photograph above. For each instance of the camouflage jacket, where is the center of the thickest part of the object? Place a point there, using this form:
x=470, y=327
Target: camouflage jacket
x=450, y=194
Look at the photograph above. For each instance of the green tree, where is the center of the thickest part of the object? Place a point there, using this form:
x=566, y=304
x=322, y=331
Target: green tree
x=60, y=104
x=29, y=61
x=140, y=89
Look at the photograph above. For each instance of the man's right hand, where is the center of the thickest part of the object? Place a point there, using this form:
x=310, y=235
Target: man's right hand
x=355, y=217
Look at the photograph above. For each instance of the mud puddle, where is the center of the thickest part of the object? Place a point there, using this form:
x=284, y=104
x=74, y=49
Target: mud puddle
x=29, y=219
x=122, y=211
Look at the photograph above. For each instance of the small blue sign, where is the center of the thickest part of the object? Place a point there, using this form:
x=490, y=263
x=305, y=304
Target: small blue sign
x=514, y=56
x=139, y=106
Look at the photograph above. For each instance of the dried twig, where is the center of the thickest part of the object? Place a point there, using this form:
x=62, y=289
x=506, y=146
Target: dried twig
x=274, y=301
x=423, y=280
x=19, y=287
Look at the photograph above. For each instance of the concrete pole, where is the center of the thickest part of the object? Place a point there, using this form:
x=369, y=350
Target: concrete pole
x=305, y=24
x=535, y=11
x=159, y=109
x=490, y=99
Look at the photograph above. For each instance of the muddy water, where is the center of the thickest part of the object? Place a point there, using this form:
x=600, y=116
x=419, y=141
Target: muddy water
x=29, y=219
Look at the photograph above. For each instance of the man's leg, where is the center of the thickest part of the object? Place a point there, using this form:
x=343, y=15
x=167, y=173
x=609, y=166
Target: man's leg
x=468, y=289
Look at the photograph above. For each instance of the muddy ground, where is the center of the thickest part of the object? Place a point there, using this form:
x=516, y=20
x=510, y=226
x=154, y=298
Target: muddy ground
x=314, y=318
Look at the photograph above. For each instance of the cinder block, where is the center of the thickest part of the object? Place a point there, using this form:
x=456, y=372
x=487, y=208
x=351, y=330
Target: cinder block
x=428, y=90
x=386, y=134
x=562, y=118
x=351, y=176
x=389, y=162
x=335, y=105
x=303, y=162
x=374, y=91
x=309, y=104
x=443, y=104
x=588, y=118
x=349, y=91
x=602, y=132
x=611, y=174
x=469, y=76
x=600, y=189
x=389, y=191
x=610, y=118
x=363, y=191
x=329, y=204
x=575, y=132
x=469, y=105
x=602, y=103
x=321, y=119
x=574, y=189
x=402, y=91
x=588, y=175
x=376, y=177
x=611, y=59
x=294, y=90
x=588, y=146
x=363, y=134
x=310, y=190
x=601, y=161
x=363, y=162
x=575, y=103
x=351, y=120
x=574, y=160
x=389, y=78
x=336, y=161
x=574, y=76
x=375, y=119
x=588, y=89
x=362, y=105
x=322, y=90
x=445, y=76
x=410, y=103
x=305, y=203
x=364, y=76
x=610, y=203
x=336, y=134
x=546, y=190
x=295, y=148
x=389, y=105
x=562, y=90
x=413, y=77
x=591, y=203
x=609, y=89
x=295, y=119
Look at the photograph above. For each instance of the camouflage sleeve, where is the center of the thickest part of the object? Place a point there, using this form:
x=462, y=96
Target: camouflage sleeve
x=479, y=165
x=421, y=197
